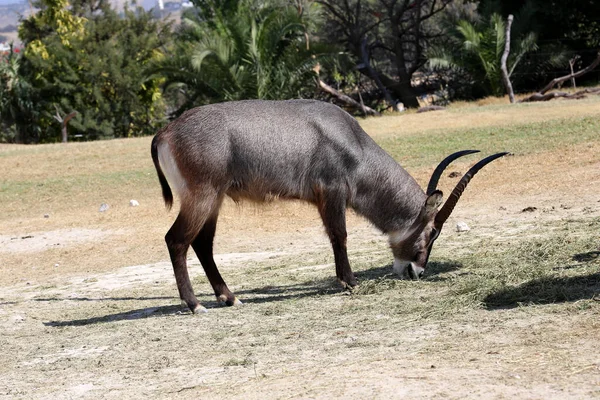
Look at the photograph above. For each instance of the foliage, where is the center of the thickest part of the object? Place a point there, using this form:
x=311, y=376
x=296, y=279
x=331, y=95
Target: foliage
x=574, y=24
x=475, y=45
x=478, y=47
x=234, y=50
x=565, y=29
x=54, y=17
x=18, y=109
x=95, y=65
x=111, y=68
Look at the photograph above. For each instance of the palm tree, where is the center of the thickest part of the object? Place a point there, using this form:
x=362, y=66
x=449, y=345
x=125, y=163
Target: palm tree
x=251, y=50
x=477, y=47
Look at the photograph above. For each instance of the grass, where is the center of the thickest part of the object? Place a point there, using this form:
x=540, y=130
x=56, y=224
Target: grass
x=122, y=168
x=560, y=268
x=521, y=139
x=515, y=296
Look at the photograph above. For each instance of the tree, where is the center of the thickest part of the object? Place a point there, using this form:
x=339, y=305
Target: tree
x=53, y=19
x=98, y=69
x=22, y=103
x=234, y=50
x=387, y=38
x=18, y=111
x=564, y=29
x=477, y=48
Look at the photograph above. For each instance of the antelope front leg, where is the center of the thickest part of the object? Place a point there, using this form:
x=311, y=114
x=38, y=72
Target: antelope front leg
x=342, y=265
x=332, y=208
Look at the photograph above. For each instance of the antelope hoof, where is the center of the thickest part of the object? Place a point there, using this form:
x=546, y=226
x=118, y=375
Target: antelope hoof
x=237, y=302
x=229, y=301
x=195, y=309
x=348, y=286
x=199, y=309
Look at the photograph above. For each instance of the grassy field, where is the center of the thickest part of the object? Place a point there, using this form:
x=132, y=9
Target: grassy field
x=510, y=309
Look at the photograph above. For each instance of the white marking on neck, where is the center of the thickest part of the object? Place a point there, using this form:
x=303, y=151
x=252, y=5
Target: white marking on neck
x=170, y=169
x=400, y=266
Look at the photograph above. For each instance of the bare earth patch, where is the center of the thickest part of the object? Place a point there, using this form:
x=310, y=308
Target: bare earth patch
x=40, y=241
x=107, y=323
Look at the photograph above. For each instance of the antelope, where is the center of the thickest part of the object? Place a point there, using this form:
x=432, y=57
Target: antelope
x=301, y=150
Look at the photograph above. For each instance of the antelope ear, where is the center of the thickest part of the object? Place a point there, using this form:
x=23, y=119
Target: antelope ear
x=430, y=208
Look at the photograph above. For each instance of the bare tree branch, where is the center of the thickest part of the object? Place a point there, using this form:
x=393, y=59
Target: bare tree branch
x=577, y=74
x=505, y=78
x=543, y=96
x=346, y=99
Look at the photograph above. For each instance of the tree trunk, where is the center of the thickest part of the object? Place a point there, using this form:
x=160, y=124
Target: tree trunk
x=63, y=130
x=404, y=91
x=505, y=77
x=400, y=89
x=374, y=76
x=403, y=88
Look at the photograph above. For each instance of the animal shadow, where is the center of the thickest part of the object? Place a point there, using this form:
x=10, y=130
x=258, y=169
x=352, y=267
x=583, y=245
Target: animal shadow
x=587, y=257
x=265, y=294
x=122, y=316
x=546, y=291
x=436, y=268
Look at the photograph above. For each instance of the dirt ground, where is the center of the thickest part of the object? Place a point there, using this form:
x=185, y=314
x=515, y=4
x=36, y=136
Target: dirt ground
x=119, y=332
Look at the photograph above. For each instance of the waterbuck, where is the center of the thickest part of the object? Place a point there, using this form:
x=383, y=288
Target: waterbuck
x=297, y=149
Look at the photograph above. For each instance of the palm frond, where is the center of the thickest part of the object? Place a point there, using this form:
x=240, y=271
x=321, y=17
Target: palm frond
x=471, y=37
x=499, y=30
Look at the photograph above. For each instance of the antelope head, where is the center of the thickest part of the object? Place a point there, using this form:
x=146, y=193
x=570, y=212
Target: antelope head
x=411, y=248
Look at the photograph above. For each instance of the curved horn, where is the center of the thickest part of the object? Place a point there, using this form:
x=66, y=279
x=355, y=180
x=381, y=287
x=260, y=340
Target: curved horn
x=447, y=208
x=437, y=173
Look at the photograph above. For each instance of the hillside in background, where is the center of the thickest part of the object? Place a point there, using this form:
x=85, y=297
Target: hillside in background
x=11, y=2
x=11, y=12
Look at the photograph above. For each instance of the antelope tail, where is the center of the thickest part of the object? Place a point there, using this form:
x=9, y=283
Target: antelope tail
x=166, y=190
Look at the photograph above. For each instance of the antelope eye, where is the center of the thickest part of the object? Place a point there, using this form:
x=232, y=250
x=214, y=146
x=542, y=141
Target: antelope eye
x=434, y=234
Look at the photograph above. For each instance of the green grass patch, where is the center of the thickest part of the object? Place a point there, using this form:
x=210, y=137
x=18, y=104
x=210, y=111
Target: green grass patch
x=418, y=150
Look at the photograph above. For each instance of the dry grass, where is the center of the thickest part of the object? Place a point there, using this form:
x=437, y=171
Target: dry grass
x=462, y=117
x=508, y=310
x=70, y=182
